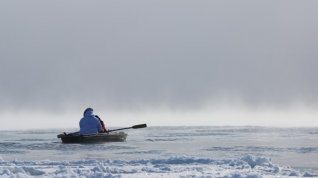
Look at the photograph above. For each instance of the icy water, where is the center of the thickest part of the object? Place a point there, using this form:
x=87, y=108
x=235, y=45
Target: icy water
x=165, y=152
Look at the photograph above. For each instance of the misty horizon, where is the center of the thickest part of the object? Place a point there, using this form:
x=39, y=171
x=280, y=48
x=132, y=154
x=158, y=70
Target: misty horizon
x=211, y=62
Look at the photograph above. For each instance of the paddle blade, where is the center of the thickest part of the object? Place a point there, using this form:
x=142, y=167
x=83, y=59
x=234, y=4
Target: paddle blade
x=139, y=126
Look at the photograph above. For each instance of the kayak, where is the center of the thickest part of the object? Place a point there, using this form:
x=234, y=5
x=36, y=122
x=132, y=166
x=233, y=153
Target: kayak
x=109, y=136
x=76, y=137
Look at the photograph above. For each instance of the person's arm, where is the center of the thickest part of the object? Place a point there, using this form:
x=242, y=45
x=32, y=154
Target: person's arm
x=99, y=125
x=103, y=126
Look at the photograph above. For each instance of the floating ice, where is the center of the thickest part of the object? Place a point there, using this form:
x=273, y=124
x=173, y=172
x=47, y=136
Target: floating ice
x=180, y=166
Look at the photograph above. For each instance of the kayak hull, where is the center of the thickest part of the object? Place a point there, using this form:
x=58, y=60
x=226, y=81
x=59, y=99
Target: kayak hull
x=95, y=138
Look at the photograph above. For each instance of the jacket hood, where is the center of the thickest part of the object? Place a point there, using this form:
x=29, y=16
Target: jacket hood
x=88, y=112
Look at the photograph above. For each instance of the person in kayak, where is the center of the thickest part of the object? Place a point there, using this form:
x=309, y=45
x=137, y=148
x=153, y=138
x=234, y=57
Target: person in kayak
x=90, y=124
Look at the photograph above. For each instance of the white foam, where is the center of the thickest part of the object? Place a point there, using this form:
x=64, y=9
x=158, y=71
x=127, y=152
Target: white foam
x=181, y=166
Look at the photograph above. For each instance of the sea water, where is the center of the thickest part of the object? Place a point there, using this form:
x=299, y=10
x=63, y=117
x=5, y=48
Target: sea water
x=165, y=152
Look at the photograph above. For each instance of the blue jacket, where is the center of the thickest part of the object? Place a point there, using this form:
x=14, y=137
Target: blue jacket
x=89, y=124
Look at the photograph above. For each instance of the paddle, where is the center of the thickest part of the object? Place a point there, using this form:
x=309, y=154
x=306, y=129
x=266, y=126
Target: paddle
x=133, y=127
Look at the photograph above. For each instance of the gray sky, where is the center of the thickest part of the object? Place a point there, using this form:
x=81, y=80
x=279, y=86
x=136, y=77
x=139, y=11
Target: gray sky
x=127, y=56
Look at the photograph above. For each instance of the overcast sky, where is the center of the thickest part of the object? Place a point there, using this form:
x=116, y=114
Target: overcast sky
x=182, y=56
